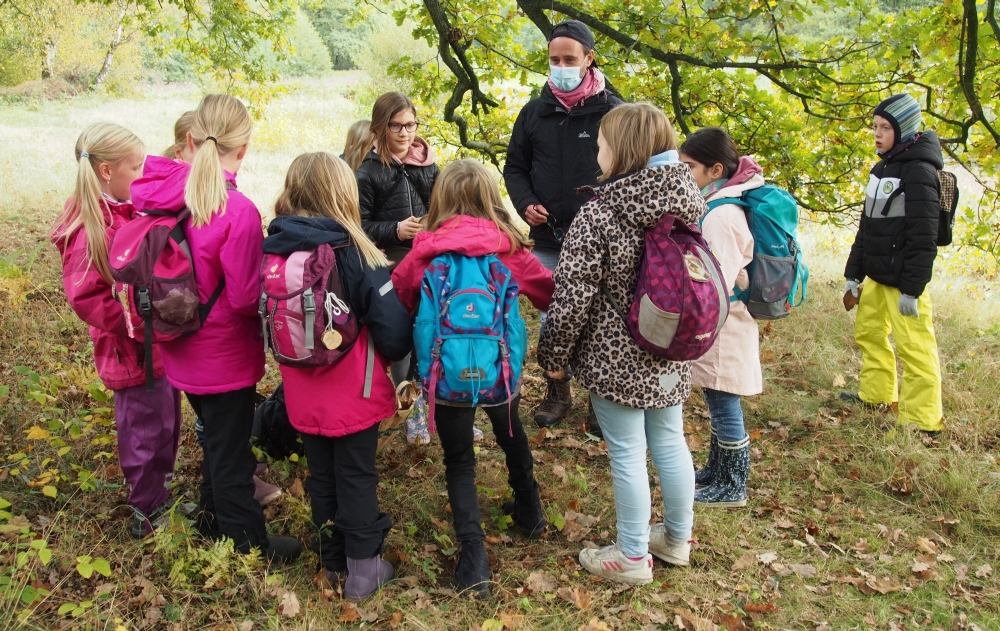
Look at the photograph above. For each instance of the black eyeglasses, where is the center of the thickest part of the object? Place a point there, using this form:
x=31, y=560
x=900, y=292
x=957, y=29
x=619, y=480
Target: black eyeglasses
x=397, y=127
x=557, y=233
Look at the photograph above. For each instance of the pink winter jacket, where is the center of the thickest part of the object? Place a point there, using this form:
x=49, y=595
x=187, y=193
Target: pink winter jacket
x=227, y=353
x=93, y=301
x=471, y=236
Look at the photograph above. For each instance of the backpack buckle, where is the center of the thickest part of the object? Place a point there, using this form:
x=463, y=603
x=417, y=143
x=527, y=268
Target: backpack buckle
x=145, y=303
x=436, y=351
x=309, y=301
x=503, y=350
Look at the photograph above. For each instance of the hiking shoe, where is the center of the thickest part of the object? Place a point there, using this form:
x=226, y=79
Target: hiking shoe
x=143, y=524
x=283, y=549
x=263, y=492
x=610, y=563
x=853, y=399
x=705, y=475
x=558, y=401
x=729, y=488
x=473, y=571
x=526, y=511
x=666, y=548
x=366, y=576
x=593, y=425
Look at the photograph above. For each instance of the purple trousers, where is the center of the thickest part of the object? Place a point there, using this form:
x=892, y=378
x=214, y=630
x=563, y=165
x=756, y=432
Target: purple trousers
x=149, y=428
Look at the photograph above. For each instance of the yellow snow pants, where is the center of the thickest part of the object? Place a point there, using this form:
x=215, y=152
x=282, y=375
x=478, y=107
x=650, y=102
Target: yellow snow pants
x=878, y=316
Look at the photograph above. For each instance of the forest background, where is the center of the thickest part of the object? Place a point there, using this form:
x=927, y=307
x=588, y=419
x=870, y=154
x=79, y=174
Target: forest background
x=851, y=525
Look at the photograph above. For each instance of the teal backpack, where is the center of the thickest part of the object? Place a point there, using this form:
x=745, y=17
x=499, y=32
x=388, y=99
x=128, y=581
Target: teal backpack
x=776, y=272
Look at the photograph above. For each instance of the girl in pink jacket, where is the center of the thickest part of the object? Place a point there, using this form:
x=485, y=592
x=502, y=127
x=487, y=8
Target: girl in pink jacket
x=731, y=369
x=219, y=365
x=467, y=217
x=109, y=158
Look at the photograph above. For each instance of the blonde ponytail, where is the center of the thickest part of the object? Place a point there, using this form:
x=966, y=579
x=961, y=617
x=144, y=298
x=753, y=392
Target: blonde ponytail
x=99, y=143
x=322, y=185
x=221, y=125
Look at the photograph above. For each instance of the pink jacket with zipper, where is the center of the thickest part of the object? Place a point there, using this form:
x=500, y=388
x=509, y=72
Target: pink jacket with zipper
x=471, y=236
x=115, y=354
x=227, y=353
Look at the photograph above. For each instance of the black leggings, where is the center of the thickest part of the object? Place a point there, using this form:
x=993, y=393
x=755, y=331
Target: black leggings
x=454, y=426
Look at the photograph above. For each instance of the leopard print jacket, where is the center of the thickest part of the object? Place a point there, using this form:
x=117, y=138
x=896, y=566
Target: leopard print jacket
x=604, y=246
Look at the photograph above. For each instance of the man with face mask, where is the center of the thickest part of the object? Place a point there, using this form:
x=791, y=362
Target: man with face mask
x=552, y=152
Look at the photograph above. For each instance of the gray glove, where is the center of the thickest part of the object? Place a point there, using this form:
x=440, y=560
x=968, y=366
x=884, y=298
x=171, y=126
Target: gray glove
x=908, y=306
x=852, y=286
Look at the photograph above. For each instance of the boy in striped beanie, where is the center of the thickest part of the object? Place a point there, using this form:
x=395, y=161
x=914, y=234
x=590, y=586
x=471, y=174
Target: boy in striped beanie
x=903, y=113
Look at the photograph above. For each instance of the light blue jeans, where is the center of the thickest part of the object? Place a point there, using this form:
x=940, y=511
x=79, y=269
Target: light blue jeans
x=628, y=432
x=549, y=259
x=727, y=415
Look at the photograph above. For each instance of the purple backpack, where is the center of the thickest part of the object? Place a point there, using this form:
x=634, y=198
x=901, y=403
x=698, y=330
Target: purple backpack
x=681, y=300
x=306, y=318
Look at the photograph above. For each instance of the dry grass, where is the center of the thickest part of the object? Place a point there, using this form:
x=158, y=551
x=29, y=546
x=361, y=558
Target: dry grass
x=836, y=498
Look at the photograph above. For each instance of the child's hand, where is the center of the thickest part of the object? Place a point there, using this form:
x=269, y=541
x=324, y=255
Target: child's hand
x=409, y=228
x=556, y=374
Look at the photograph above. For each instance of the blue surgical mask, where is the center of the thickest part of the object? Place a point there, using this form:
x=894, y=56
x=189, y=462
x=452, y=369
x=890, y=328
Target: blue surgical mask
x=566, y=78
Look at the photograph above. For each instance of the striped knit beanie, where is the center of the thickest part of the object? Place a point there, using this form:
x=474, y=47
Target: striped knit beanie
x=903, y=113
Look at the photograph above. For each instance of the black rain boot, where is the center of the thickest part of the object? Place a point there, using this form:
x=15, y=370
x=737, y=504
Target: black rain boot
x=526, y=510
x=729, y=489
x=473, y=571
x=705, y=475
x=558, y=401
x=593, y=425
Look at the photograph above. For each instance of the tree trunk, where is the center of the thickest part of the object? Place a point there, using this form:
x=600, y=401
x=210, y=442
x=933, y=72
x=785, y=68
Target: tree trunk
x=109, y=57
x=48, y=71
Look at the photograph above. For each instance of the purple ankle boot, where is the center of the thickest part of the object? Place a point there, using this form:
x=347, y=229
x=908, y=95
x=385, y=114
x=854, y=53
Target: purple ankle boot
x=365, y=576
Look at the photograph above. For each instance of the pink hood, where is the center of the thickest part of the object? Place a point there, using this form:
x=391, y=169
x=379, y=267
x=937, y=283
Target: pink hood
x=471, y=236
x=227, y=353
x=746, y=169
x=420, y=153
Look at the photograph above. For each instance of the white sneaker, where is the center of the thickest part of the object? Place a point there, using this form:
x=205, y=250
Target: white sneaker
x=610, y=563
x=665, y=547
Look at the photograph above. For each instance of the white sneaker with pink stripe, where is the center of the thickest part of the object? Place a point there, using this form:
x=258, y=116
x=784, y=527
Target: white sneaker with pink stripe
x=610, y=563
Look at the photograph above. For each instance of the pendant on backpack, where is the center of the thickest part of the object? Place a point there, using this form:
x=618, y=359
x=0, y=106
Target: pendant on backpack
x=332, y=340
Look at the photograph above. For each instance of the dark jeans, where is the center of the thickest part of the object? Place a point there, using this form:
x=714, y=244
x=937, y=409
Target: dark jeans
x=227, y=507
x=342, y=483
x=454, y=426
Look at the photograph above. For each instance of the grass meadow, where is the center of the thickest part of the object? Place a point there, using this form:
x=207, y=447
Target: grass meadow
x=850, y=524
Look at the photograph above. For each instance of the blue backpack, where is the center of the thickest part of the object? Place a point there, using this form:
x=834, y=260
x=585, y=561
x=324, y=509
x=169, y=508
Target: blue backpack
x=469, y=336
x=776, y=272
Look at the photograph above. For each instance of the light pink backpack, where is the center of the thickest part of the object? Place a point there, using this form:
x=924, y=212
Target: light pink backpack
x=306, y=318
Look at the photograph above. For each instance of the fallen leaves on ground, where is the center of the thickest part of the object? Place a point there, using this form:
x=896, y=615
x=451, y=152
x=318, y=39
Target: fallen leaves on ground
x=289, y=606
x=574, y=596
x=540, y=583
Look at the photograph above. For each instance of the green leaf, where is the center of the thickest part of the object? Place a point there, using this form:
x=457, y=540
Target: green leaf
x=86, y=570
x=45, y=555
x=102, y=567
x=4, y=503
x=49, y=491
x=65, y=608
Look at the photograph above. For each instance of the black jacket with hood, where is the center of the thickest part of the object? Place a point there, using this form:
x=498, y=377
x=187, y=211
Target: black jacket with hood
x=388, y=194
x=552, y=153
x=369, y=290
x=897, y=238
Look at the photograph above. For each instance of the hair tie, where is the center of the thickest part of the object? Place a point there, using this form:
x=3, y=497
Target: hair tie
x=84, y=154
x=212, y=138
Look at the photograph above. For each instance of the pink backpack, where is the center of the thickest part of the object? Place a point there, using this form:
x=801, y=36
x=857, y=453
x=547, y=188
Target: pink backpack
x=306, y=319
x=153, y=271
x=681, y=300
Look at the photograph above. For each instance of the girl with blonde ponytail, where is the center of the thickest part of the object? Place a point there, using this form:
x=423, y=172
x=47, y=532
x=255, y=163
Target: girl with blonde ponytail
x=109, y=158
x=220, y=364
x=339, y=428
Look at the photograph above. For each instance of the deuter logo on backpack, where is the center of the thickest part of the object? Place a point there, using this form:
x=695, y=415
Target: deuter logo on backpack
x=777, y=273
x=304, y=313
x=469, y=337
x=154, y=276
x=680, y=301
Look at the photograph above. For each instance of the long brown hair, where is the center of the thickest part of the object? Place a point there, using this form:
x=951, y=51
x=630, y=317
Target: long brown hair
x=99, y=143
x=358, y=143
x=387, y=106
x=635, y=132
x=322, y=185
x=227, y=122
x=466, y=187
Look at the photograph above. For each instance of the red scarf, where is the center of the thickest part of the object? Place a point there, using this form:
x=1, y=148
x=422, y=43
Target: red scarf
x=592, y=84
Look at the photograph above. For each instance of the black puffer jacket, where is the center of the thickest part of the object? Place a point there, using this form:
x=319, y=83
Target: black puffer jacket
x=390, y=194
x=897, y=239
x=552, y=153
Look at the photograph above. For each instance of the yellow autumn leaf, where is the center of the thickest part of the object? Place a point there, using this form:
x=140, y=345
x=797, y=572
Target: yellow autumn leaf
x=37, y=433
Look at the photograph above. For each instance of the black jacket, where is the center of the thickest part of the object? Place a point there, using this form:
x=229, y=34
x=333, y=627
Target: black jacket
x=369, y=291
x=897, y=237
x=552, y=153
x=390, y=194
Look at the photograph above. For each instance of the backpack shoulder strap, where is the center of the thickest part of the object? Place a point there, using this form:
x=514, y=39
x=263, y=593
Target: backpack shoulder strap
x=715, y=203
